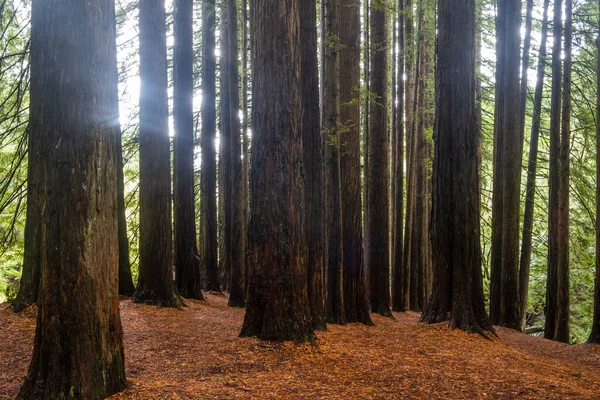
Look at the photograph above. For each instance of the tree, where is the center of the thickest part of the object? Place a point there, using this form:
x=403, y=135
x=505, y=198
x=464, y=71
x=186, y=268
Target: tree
x=126, y=286
x=314, y=201
x=398, y=287
x=378, y=253
x=356, y=302
x=334, y=305
x=187, y=262
x=209, y=159
x=508, y=150
x=237, y=244
x=277, y=303
x=457, y=293
x=78, y=347
x=155, y=285
x=595, y=334
x=525, y=263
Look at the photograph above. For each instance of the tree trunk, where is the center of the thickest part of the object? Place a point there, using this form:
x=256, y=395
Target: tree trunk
x=507, y=170
x=356, y=302
x=314, y=183
x=553, y=181
x=561, y=333
x=155, y=285
x=237, y=243
x=378, y=253
x=398, y=287
x=187, y=262
x=366, y=128
x=78, y=346
x=457, y=284
x=334, y=305
x=277, y=304
x=209, y=163
x=525, y=267
x=595, y=335
x=245, y=125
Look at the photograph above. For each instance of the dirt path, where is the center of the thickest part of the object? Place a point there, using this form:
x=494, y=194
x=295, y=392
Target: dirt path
x=195, y=353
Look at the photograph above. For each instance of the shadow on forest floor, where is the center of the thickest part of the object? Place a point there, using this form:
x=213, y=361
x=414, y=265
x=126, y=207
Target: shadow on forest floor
x=195, y=353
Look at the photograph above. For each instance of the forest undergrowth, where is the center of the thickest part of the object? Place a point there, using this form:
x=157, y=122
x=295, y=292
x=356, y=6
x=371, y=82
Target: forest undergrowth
x=195, y=353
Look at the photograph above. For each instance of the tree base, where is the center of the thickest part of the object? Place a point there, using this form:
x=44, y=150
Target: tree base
x=150, y=297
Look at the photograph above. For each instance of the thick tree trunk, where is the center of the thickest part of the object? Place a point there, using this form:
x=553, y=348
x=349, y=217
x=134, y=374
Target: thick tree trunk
x=398, y=287
x=237, y=243
x=78, y=347
x=553, y=181
x=378, y=253
x=356, y=302
x=155, y=285
x=187, y=262
x=277, y=304
x=457, y=283
x=334, y=305
x=507, y=170
x=314, y=183
x=561, y=333
x=525, y=266
x=209, y=161
x=595, y=335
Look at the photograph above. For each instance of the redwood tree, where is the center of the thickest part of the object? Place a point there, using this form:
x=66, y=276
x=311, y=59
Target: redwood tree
x=378, y=253
x=277, y=303
x=455, y=227
x=209, y=158
x=155, y=283
x=356, y=302
x=314, y=201
x=78, y=346
x=187, y=262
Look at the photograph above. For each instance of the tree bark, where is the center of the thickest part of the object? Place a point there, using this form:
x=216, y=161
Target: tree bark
x=562, y=328
x=314, y=183
x=78, y=346
x=457, y=284
x=356, y=302
x=155, y=284
x=525, y=266
x=378, y=253
x=187, y=262
x=209, y=163
x=237, y=243
x=277, y=304
x=553, y=181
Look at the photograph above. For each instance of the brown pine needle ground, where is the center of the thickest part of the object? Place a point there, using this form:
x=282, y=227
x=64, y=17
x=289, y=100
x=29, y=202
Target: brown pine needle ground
x=195, y=353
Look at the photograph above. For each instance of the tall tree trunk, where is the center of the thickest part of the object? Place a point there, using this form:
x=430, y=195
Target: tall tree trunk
x=237, y=243
x=525, y=266
x=187, y=262
x=334, y=305
x=78, y=346
x=553, y=213
x=561, y=333
x=225, y=160
x=356, y=302
x=378, y=253
x=155, y=285
x=30, y=277
x=277, y=304
x=314, y=183
x=457, y=284
x=507, y=170
x=209, y=162
x=245, y=125
x=595, y=335
x=398, y=287
x=367, y=125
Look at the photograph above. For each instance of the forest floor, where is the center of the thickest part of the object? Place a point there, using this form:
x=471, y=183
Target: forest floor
x=195, y=353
